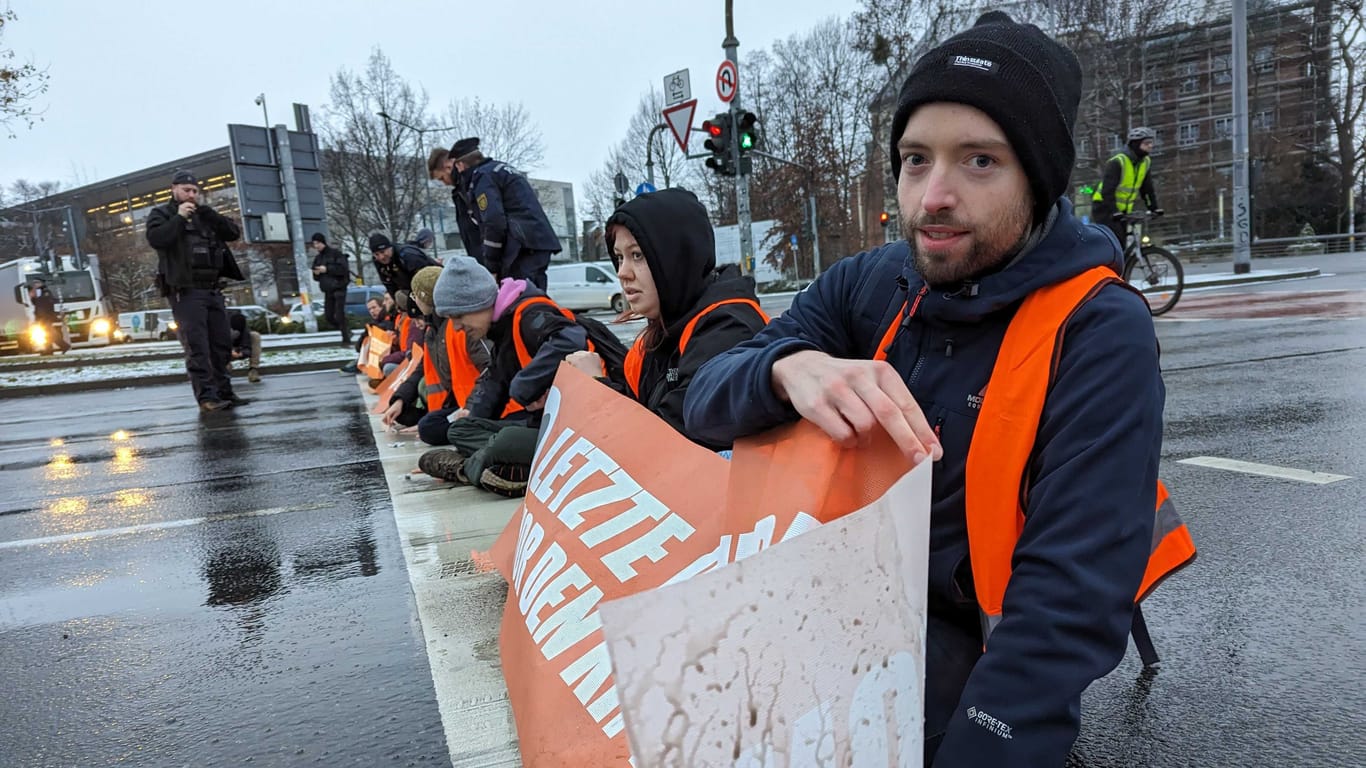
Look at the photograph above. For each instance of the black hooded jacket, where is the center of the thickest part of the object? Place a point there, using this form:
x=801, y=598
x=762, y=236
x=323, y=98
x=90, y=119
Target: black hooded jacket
x=676, y=238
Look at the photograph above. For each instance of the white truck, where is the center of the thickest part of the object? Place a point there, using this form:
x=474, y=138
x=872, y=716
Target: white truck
x=80, y=296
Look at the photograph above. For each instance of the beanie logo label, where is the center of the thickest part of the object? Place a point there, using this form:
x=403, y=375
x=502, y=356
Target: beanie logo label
x=972, y=62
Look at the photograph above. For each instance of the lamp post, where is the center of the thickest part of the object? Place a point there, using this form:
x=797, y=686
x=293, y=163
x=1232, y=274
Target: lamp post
x=426, y=182
x=261, y=102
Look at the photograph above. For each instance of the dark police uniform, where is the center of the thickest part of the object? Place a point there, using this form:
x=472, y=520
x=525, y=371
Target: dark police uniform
x=517, y=239
x=191, y=259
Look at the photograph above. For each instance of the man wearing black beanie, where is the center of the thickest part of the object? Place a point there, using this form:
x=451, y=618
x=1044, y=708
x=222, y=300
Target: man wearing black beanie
x=998, y=342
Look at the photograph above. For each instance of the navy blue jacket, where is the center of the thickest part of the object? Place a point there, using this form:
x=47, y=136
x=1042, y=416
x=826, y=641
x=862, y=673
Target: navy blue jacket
x=511, y=221
x=1089, y=516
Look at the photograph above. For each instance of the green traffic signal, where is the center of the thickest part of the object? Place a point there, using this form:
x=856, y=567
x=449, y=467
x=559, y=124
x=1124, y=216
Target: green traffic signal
x=746, y=141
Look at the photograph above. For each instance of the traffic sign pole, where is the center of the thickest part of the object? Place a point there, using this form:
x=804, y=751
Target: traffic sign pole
x=303, y=269
x=741, y=178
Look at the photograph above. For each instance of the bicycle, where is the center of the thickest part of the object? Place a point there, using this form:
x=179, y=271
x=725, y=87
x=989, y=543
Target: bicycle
x=1153, y=270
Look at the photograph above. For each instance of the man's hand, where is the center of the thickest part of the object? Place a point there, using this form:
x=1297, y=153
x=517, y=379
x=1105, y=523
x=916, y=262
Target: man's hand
x=588, y=362
x=187, y=209
x=457, y=415
x=848, y=399
x=392, y=412
x=539, y=403
x=237, y=355
x=319, y=270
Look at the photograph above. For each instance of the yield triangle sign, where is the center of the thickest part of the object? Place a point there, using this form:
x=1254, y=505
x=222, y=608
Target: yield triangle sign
x=679, y=118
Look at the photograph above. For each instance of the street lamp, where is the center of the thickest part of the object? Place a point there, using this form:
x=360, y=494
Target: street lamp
x=426, y=182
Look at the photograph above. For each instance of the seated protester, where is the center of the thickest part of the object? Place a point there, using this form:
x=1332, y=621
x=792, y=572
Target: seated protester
x=377, y=319
x=665, y=254
x=531, y=335
x=246, y=343
x=451, y=363
x=411, y=405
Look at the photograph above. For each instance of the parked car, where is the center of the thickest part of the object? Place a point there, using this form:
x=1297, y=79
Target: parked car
x=254, y=312
x=146, y=325
x=357, y=296
x=292, y=314
x=585, y=285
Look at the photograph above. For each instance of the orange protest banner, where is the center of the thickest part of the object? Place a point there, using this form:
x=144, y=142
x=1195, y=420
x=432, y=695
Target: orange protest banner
x=396, y=377
x=617, y=506
x=373, y=350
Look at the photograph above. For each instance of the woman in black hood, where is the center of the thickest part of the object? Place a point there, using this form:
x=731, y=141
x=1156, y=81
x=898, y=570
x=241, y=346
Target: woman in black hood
x=665, y=253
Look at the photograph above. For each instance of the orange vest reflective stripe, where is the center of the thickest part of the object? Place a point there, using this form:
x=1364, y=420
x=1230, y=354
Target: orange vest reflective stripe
x=1003, y=442
x=523, y=354
x=463, y=372
x=635, y=359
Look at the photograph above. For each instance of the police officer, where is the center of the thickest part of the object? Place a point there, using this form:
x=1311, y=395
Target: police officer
x=516, y=239
x=396, y=267
x=331, y=269
x=441, y=167
x=192, y=257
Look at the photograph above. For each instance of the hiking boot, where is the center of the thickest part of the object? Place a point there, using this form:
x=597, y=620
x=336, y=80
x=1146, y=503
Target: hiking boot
x=349, y=368
x=444, y=463
x=505, y=480
x=213, y=406
x=236, y=401
x=253, y=376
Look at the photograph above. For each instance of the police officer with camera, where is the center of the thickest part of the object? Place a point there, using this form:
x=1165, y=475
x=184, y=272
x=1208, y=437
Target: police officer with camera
x=192, y=257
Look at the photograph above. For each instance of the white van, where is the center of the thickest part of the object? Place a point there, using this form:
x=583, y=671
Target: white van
x=147, y=325
x=585, y=285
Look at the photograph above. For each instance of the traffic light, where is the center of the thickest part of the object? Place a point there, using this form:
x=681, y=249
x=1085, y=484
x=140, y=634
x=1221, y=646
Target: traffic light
x=747, y=131
x=884, y=219
x=718, y=142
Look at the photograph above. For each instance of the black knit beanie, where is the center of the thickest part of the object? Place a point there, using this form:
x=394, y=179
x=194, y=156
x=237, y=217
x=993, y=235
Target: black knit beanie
x=1024, y=80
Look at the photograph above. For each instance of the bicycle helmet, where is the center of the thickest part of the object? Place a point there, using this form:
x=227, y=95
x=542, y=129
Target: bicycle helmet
x=1142, y=133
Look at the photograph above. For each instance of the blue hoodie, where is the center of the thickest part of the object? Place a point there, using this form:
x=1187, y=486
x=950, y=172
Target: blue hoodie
x=1092, y=482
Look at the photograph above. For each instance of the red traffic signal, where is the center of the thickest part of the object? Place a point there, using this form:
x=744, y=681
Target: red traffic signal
x=884, y=218
x=711, y=128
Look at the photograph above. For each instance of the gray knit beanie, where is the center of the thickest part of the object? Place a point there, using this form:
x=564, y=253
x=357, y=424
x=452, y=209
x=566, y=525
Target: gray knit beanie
x=464, y=286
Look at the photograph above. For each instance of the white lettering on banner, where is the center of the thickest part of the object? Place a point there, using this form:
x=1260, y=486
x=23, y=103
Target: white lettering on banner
x=746, y=544
x=528, y=539
x=587, y=676
x=650, y=545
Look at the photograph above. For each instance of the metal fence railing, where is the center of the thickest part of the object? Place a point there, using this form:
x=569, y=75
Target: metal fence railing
x=1271, y=247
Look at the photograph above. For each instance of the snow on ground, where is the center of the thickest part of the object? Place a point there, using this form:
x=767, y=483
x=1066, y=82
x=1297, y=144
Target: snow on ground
x=133, y=370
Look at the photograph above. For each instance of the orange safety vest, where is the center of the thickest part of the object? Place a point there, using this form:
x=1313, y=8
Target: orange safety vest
x=405, y=326
x=1003, y=442
x=635, y=359
x=463, y=372
x=523, y=354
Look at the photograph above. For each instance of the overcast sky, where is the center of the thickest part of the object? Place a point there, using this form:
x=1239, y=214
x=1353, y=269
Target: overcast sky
x=135, y=84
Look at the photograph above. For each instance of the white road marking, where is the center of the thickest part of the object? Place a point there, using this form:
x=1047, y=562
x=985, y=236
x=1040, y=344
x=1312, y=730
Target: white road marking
x=1266, y=470
x=106, y=533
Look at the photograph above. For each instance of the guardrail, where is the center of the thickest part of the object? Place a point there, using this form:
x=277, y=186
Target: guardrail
x=1222, y=250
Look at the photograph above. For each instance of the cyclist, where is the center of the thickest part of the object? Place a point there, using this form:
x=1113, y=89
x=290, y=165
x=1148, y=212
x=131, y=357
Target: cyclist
x=1127, y=176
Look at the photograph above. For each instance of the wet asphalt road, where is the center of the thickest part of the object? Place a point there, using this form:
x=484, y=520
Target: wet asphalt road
x=290, y=638
x=272, y=624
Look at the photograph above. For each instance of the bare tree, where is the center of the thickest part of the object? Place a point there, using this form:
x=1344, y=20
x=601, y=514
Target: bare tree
x=506, y=131
x=812, y=93
x=642, y=144
x=20, y=84
x=376, y=159
x=1346, y=93
x=26, y=231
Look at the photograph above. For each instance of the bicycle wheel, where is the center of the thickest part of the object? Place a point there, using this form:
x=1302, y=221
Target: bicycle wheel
x=1158, y=275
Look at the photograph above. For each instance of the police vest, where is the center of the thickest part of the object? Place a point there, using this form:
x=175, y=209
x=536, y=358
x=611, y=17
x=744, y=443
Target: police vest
x=635, y=359
x=1003, y=442
x=1131, y=180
